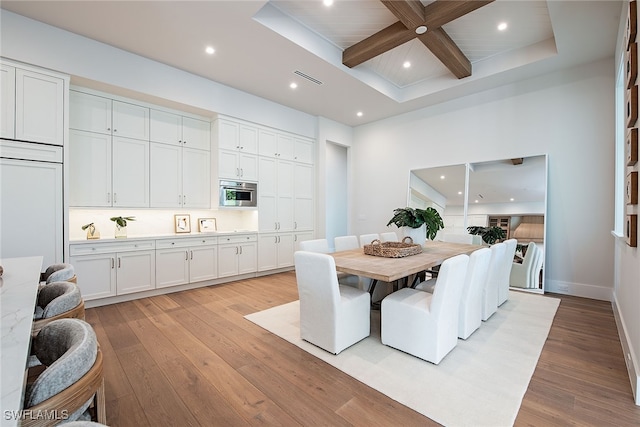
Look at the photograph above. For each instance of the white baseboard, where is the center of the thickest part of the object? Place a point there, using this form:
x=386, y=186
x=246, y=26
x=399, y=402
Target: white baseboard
x=579, y=290
x=630, y=358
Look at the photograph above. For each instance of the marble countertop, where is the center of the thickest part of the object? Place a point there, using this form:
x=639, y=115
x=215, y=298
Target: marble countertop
x=18, y=293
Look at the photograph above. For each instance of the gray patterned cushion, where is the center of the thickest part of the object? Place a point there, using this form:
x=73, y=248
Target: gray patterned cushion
x=56, y=298
x=68, y=348
x=58, y=273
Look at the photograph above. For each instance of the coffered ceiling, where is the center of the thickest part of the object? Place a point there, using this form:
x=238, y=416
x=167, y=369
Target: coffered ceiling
x=264, y=46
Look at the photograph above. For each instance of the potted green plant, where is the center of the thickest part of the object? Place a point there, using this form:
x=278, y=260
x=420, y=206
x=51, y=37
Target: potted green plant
x=490, y=235
x=121, y=225
x=419, y=224
x=92, y=233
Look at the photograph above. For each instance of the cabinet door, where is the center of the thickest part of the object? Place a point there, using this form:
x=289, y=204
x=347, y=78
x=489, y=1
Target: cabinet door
x=196, y=133
x=227, y=135
x=267, y=195
x=248, y=258
x=267, y=252
x=248, y=165
x=303, y=197
x=130, y=120
x=130, y=172
x=228, y=260
x=8, y=98
x=267, y=143
x=248, y=139
x=165, y=127
x=196, y=178
x=165, y=186
x=31, y=219
x=228, y=164
x=302, y=150
x=172, y=267
x=285, y=196
x=301, y=237
x=203, y=263
x=89, y=112
x=135, y=271
x=39, y=108
x=89, y=169
x=285, y=147
x=96, y=275
x=285, y=250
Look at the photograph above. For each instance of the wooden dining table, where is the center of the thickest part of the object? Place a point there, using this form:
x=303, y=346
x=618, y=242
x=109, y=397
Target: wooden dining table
x=391, y=269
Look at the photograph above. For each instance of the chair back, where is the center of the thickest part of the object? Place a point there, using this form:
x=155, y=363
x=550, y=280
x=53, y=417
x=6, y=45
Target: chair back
x=58, y=273
x=317, y=284
x=316, y=245
x=505, y=274
x=470, y=314
x=536, y=267
x=530, y=256
x=345, y=243
x=366, y=239
x=490, y=290
x=56, y=298
x=448, y=289
x=389, y=237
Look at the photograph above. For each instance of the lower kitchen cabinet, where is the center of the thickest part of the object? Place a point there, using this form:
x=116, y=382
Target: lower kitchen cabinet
x=237, y=255
x=114, y=268
x=183, y=261
x=275, y=250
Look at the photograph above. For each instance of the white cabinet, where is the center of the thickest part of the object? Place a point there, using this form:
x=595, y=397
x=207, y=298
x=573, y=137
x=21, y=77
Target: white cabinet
x=170, y=128
x=180, y=177
x=276, y=145
x=301, y=236
x=94, y=113
x=275, y=195
x=31, y=212
x=275, y=250
x=303, y=205
x=108, y=171
x=114, y=268
x=32, y=105
x=303, y=150
x=237, y=255
x=237, y=145
x=180, y=261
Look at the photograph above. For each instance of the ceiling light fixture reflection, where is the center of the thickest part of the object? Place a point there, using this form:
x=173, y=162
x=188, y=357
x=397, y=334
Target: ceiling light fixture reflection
x=441, y=176
x=327, y=2
x=459, y=192
x=210, y=50
x=502, y=26
x=406, y=64
x=359, y=114
x=293, y=85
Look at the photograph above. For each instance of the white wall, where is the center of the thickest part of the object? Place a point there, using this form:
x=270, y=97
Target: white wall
x=568, y=115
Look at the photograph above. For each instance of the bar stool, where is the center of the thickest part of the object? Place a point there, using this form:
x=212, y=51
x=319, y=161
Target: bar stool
x=59, y=273
x=55, y=301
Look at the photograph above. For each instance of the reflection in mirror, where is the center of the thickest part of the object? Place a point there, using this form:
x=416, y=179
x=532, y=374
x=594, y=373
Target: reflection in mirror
x=508, y=193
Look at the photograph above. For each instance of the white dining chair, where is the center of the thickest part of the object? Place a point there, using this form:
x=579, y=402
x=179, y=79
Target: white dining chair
x=366, y=239
x=345, y=243
x=332, y=317
x=315, y=245
x=507, y=263
x=470, y=311
x=490, y=288
x=522, y=274
x=422, y=324
x=391, y=236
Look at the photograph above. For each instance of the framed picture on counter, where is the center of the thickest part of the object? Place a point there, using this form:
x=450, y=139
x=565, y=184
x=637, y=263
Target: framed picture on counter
x=182, y=223
x=207, y=225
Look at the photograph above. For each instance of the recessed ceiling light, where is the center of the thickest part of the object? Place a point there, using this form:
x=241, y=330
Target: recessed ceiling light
x=327, y=2
x=502, y=26
x=441, y=176
x=210, y=50
x=475, y=201
x=359, y=114
x=293, y=85
x=421, y=29
x=406, y=64
x=459, y=192
x=512, y=199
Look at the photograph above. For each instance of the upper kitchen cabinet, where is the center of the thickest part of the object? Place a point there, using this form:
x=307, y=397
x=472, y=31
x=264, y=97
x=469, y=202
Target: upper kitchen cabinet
x=175, y=129
x=276, y=145
x=32, y=104
x=237, y=148
x=303, y=150
x=94, y=113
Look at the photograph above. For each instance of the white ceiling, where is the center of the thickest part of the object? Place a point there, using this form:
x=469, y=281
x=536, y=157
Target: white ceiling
x=260, y=44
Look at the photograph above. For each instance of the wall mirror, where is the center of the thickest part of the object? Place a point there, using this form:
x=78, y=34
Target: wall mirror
x=508, y=193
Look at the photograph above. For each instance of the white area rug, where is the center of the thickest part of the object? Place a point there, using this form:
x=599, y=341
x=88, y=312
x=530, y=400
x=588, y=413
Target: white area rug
x=480, y=383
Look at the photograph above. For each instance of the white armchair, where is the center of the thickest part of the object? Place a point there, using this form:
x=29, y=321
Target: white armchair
x=422, y=324
x=525, y=275
x=332, y=316
x=507, y=262
x=490, y=289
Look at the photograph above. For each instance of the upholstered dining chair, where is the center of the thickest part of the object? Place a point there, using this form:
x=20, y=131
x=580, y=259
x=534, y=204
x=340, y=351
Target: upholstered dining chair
x=522, y=275
x=470, y=312
x=55, y=301
x=422, y=324
x=59, y=273
x=391, y=236
x=315, y=245
x=366, y=239
x=490, y=288
x=345, y=243
x=332, y=317
x=72, y=381
x=507, y=262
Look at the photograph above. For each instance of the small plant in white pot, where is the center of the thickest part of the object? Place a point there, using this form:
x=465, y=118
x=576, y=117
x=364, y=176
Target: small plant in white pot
x=121, y=225
x=419, y=224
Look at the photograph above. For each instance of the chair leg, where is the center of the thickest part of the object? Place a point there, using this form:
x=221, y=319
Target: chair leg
x=100, y=400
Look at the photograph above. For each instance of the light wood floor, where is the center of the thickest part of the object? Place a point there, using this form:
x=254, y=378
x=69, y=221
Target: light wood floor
x=190, y=358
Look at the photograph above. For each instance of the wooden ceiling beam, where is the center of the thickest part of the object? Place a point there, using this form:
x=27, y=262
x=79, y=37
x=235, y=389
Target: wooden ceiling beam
x=392, y=36
x=441, y=45
x=442, y=12
x=409, y=12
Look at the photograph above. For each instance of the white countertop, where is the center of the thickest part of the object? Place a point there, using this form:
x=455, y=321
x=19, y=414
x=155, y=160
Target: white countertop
x=18, y=293
x=167, y=236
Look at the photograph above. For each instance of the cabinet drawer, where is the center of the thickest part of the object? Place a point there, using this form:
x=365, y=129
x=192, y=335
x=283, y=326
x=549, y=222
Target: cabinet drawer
x=30, y=151
x=238, y=239
x=182, y=243
x=108, y=247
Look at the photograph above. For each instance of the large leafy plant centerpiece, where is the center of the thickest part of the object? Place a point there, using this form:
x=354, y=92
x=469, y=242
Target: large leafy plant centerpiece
x=416, y=218
x=490, y=235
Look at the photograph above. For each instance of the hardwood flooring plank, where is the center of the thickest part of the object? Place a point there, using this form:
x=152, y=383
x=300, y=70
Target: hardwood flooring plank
x=126, y=411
